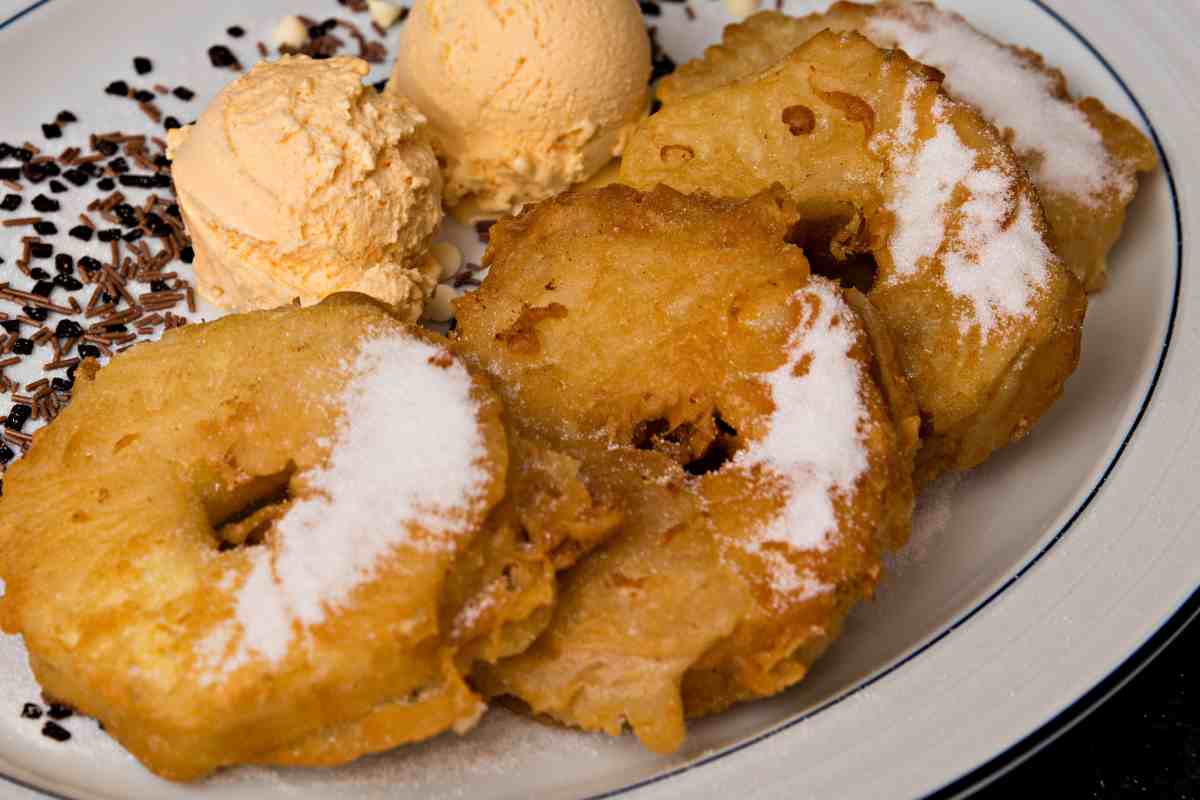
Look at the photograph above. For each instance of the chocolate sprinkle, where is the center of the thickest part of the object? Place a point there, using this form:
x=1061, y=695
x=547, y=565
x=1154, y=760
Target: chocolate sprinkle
x=142, y=65
x=45, y=204
x=52, y=730
x=60, y=711
x=29, y=710
x=221, y=56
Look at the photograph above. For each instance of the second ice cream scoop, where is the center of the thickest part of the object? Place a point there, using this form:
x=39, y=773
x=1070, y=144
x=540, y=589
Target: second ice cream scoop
x=523, y=98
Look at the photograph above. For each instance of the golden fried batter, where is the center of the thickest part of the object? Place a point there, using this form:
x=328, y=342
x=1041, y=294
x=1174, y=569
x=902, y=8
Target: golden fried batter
x=732, y=407
x=986, y=318
x=1083, y=158
x=176, y=569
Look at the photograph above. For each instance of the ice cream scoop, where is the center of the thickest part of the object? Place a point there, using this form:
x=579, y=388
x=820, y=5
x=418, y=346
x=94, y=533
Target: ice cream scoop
x=299, y=181
x=523, y=98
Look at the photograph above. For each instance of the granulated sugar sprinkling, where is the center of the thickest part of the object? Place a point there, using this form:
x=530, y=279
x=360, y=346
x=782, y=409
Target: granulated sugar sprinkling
x=993, y=258
x=404, y=419
x=815, y=437
x=1012, y=94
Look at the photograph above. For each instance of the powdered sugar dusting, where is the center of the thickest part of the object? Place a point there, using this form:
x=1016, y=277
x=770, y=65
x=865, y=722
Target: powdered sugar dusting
x=931, y=520
x=815, y=436
x=404, y=419
x=1012, y=94
x=990, y=257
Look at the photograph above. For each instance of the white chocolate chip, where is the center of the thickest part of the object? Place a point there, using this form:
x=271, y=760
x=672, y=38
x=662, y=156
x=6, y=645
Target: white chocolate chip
x=290, y=32
x=438, y=309
x=384, y=14
x=449, y=257
x=741, y=8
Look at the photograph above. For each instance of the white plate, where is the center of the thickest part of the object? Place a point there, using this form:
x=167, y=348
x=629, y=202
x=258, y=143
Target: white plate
x=1033, y=587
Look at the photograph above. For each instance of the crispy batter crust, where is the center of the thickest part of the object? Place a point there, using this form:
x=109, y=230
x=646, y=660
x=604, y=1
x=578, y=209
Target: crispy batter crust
x=673, y=309
x=976, y=392
x=110, y=548
x=1083, y=233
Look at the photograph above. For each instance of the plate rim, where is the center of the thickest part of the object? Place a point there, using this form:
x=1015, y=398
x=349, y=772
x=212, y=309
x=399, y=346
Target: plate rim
x=1074, y=713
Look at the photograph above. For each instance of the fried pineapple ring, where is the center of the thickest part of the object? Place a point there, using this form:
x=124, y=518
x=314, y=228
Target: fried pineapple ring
x=262, y=555
x=1083, y=158
x=678, y=350
x=986, y=318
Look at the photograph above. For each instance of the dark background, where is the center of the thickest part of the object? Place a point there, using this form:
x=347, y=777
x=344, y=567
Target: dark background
x=1143, y=742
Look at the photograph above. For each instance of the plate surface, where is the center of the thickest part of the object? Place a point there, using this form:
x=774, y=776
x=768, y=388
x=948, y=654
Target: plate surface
x=1027, y=583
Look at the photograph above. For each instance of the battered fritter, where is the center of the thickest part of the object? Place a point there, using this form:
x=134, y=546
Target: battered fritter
x=1083, y=158
x=283, y=541
x=754, y=433
x=883, y=164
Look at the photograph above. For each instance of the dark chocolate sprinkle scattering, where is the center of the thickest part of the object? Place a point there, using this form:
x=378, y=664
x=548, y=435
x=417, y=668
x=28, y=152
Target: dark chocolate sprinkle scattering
x=60, y=711
x=29, y=710
x=39, y=274
x=170, y=123
x=11, y=202
x=43, y=288
x=24, y=347
x=10, y=174
x=106, y=185
x=67, y=329
x=142, y=65
x=51, y=131
x=187, y=254
x=45, y=228
x=45, y=204
x=52, y=730
x=41, y=250
x=34, y=313
x=236, y=31
x=661, y=64
x=81, y=232
x=144, y=96
x=69, y=283
x=221, y=56
x=7, y=455
x=118, y=88
x=183, y=93
x=34, y=173
x=18, y=415
x=66, y=117
x=58, y=187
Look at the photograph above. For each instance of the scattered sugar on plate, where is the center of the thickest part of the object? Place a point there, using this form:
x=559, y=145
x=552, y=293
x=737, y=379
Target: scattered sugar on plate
x=502, y=744
x=931, y=520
